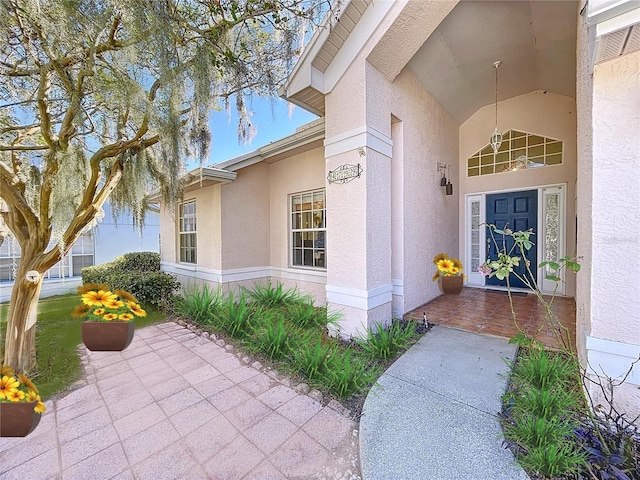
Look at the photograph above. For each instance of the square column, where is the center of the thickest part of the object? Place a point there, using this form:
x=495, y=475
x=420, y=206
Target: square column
x=359, y=283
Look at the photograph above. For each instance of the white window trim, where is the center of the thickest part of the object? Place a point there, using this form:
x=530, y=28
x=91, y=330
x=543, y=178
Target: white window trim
x=546, y=286
x=290, y=230
x=181, y=232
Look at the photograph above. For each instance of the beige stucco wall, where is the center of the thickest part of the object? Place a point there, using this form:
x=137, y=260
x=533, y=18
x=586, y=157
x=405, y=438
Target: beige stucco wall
x=207, y=225
x=429, y=217
x=300, y=173
x=616, y=199
x=243, y=228
x=542, y=113
x=245, y=219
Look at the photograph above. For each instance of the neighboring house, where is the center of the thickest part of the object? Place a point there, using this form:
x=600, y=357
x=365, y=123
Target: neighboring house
x=111, y=238
x=405, y=88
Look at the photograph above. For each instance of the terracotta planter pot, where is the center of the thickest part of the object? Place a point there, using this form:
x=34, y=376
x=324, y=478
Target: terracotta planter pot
x=18, y=419
x=107, y=336
x=451, y=285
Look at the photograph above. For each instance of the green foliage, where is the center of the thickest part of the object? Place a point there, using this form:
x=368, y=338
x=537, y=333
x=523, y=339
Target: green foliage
x=554, y=459
x=541, y=410
x=348, y=374
x=286, y=327
x=201, y=304
x=273, y=338
x=138, y=273
x=268, y=296
x=149, y=288
x=535, y=432
x=541, y=369
x=236, y=316
x=545, y=403
x=384, y=343
x=312, y=358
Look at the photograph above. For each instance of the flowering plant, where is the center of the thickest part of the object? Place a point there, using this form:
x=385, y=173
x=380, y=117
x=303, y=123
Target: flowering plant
x=18, y=388
x=447, y=267
x=101, y=304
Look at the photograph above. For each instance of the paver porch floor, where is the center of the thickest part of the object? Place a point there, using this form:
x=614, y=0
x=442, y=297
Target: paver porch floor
x=486, y=311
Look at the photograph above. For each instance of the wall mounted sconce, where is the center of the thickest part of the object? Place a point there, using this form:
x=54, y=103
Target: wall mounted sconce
x=443, y=180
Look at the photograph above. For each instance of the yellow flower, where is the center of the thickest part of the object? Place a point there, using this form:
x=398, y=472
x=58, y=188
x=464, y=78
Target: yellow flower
x=445, y=265
x=15, y=395
x=136, y=309
x=6, y=370
x=114, y=304
x=110, y=316
x=80, y=311
x=23, y=378
x=457, y=263
x=92, y=286
x=39, y=408
x=32, y=396
x=453, y=270
x=125, y=316
x=126, y=296
x=440, y=256
x=8, y=385
x=98, y=299
x=99, y=311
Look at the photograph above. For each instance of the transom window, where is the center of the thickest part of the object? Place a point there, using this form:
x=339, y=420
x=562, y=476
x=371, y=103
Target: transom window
x=519, y=150
x=188, y=231
x=308, y=229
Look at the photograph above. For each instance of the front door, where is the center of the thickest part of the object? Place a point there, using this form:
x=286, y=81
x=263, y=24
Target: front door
x=517, y=211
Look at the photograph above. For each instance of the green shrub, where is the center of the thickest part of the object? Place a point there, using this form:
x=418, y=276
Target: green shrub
x=348, y=374
x=138, y=273
x=534, y=431
x=387, y=343
x=273, y=338
x=268, y=296
x=541, y=369
x=129, y=262
x=235, y=316
x=554, y=460
x=202, y=304
x=312, y=358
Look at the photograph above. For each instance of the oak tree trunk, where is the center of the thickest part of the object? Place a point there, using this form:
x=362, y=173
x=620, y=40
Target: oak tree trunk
x=20, y=341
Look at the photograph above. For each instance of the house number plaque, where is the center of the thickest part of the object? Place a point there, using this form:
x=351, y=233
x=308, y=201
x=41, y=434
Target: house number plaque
x=344, y=173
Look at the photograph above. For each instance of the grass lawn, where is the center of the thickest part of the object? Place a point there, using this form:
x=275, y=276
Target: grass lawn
x=57, y=338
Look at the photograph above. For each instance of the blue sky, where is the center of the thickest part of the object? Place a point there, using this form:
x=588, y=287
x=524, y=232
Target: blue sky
x=271, y=124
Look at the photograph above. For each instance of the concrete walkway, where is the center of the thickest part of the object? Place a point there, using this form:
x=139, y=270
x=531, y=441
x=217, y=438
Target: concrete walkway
x=433, y=414
x=176, y=405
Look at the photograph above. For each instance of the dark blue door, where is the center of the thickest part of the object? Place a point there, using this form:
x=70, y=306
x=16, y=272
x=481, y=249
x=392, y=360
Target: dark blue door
x=517, y=211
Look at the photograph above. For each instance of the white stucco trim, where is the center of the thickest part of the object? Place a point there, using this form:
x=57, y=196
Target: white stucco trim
x=365, y=136
x=613, y=359
x=243, y=274
x=398, y=287
x=361, y=299
x=313, y=276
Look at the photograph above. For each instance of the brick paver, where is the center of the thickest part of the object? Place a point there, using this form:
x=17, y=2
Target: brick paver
x=178, y=405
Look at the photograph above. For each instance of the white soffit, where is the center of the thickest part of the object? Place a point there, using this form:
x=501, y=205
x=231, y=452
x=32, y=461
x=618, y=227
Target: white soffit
x=333, y=48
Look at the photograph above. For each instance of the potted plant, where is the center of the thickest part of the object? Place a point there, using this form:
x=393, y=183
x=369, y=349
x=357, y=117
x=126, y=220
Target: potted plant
x=109, y=314
x=20, y=404
x=449, y=274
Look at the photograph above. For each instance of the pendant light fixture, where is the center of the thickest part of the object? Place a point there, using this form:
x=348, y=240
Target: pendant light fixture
x=496, y=138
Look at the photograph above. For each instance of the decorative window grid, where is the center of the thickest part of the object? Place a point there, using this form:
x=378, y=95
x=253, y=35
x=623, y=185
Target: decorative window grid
x=519, y=150
x=308, y=229
x=188, y=231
